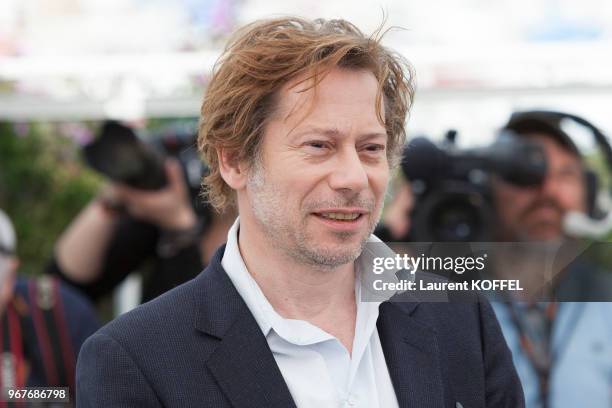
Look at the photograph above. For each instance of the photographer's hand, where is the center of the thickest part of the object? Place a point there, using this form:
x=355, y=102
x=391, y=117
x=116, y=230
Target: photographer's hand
x=168, y=208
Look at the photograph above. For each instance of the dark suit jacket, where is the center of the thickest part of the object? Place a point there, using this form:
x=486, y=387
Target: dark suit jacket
x=199, y=346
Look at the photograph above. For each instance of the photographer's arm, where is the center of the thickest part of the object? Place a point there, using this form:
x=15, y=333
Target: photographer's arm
x=131, y=243
x=81, y=249
x=100, y=248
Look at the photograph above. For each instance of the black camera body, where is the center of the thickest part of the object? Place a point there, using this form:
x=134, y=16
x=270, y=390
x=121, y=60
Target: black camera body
x=119, y=154
x=452, y=187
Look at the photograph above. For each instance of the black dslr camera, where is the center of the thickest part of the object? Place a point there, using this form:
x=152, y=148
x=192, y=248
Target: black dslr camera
x=452, y=186
x=121, y=155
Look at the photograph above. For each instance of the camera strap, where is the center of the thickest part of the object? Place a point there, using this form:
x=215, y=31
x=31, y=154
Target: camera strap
x=535, y=324
x=12, y=363
x=51, y=331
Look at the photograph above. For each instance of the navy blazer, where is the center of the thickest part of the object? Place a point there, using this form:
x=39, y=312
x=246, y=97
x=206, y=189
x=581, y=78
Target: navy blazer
x=199, y=346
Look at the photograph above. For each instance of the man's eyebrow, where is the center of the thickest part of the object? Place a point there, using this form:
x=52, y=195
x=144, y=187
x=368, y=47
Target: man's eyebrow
x=334, y=132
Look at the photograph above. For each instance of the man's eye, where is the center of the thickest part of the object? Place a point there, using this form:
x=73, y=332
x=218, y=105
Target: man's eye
x=317, y=144
x=375, y=148
x=569, y=173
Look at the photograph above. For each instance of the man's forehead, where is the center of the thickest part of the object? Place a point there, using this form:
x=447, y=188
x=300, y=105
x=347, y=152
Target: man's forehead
x=304, y=92
x=552, y=144
x=329, y=107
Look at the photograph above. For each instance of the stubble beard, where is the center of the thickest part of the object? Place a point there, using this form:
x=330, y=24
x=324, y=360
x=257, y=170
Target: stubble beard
x=290, y=236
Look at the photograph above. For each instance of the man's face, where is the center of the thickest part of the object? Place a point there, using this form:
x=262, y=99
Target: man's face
x=536, y=213
x=318, y=190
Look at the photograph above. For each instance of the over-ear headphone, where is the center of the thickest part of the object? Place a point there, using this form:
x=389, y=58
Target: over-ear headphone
x=550, y=122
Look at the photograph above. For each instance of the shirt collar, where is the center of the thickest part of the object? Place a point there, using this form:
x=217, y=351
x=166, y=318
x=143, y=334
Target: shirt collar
x=268, y=319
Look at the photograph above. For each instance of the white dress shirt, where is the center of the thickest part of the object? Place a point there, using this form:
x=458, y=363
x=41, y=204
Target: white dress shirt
x=317, y=368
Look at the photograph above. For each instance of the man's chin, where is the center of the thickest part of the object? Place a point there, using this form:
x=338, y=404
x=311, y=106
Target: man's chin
x=546, y=232
x=333, y=255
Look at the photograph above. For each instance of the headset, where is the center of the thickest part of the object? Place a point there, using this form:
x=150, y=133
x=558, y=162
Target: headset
x=598, y=221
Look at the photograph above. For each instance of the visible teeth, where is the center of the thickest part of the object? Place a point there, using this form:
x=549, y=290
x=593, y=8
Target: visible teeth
x=340, y=216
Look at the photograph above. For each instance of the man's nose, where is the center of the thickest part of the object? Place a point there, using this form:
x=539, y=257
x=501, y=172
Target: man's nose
x=550, y=186
x=349, y=172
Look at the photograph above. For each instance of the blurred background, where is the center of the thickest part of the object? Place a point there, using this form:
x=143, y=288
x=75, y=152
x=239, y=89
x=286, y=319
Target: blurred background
x=117, y=224
x=67, y=65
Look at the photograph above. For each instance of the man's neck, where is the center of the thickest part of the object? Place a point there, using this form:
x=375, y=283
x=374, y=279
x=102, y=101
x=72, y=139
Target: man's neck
x=216, y=234
x=322, y=297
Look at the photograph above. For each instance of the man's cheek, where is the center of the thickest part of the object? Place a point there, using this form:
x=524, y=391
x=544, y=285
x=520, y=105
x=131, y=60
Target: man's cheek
x=574, y=199
x=380, y=188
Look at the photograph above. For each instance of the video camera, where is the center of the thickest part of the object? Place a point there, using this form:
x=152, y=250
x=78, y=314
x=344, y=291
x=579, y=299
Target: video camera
x=452, y=186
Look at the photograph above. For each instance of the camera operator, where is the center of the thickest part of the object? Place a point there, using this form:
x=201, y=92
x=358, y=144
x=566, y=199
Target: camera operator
x=562, y=350
x=444, y=194
x=42, y=325
x=536, y=214
x=518, y=192
x=163, y=231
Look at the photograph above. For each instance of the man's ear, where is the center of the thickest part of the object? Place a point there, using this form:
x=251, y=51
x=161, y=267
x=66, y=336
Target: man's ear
x=232, y=171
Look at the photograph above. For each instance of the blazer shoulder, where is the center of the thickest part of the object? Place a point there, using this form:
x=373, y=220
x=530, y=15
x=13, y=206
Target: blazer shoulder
x=171, y=311
x=107, y=376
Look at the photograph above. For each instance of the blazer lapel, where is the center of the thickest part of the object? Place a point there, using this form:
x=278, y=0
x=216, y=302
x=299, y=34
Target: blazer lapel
x=413, y=357
x=246, y=370
x=242, y=364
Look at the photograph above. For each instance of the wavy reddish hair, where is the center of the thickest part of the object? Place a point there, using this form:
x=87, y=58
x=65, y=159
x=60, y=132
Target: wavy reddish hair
x=262, y=57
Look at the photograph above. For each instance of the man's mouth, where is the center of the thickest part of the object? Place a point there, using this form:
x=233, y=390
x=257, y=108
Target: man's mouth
x=545, y=211
x=337, y=216
x=345, y=220
x=341, y=215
